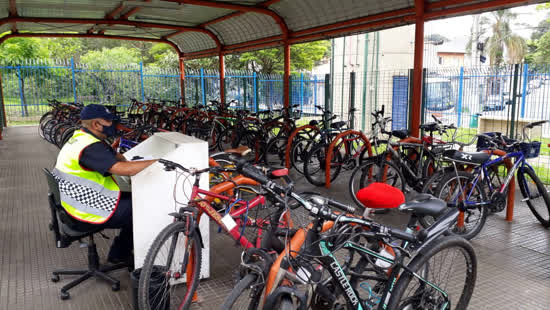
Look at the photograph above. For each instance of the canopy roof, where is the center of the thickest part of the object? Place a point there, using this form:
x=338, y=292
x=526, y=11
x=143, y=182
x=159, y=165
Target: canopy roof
x=199, y=28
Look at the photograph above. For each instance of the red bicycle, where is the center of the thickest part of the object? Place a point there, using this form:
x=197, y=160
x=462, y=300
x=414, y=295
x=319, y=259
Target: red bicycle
x=176, y=251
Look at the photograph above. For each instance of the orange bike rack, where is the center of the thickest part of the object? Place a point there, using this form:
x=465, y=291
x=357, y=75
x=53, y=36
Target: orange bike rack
x=331, y=148
x=512, y=186
x=291, y=138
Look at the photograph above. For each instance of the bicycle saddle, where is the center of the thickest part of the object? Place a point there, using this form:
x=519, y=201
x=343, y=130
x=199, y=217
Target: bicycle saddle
x=401, y=133
x=424, y=205
x=242, y=150
x=432, y=126
x=476, y=158
x=338, y=125
x=313, y=122
x=380, y=196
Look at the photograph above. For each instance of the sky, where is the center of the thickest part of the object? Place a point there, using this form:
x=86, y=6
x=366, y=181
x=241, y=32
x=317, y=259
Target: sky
x=528, y=18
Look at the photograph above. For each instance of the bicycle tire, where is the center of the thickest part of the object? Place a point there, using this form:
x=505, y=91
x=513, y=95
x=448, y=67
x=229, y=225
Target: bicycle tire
x=316, y=175
x=420, y=264
x=149, y=266
x=447, y=179
x=298, y=152
x=68, y=134
x=274, y=155
x=58, y=134
x=43, y=120
x=241, y=289
x=48, y=128
x=543, y=219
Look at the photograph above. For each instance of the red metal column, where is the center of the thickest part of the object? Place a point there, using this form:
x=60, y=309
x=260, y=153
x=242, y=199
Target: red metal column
x=286, y=78
x=417, y=72
x=182, y=79
x=222, y=77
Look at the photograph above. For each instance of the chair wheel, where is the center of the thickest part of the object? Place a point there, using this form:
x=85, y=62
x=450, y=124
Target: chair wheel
x=115, y=287
x=65, y=295
x=55, y=278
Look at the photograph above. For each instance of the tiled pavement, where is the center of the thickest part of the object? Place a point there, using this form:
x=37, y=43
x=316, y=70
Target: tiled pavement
x=513, y=273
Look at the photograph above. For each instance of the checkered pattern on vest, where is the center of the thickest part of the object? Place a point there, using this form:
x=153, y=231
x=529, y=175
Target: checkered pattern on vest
x=86, y=196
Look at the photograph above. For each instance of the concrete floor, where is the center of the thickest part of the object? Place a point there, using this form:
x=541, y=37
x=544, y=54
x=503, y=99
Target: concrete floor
x=513, y=272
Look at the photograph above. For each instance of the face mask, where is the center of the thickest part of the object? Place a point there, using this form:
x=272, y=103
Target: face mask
x=109, y=131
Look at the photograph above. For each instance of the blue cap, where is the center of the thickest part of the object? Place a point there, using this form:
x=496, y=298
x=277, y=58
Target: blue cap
x=96, y=111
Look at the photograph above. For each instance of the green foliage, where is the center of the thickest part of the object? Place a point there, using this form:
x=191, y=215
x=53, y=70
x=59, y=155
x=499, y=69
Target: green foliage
x=117, y=55
x=16, y=50
x=542, y=52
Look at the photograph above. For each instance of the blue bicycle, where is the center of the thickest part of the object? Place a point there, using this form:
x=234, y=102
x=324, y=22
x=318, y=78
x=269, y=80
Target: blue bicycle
x=485, y=188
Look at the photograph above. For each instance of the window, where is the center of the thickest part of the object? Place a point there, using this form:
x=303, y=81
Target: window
x=440, y=60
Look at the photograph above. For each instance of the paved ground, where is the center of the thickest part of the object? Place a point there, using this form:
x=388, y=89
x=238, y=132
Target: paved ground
x=514, y=258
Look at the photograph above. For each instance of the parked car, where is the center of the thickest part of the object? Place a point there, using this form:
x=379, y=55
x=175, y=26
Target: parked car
x=496, y=103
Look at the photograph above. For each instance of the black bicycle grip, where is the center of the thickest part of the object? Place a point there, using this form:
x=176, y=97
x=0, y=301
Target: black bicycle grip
x=341, y=206
x=399, y=234
x=254, y=173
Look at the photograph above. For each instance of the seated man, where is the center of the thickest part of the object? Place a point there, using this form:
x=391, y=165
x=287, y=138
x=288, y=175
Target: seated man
x=89, y=193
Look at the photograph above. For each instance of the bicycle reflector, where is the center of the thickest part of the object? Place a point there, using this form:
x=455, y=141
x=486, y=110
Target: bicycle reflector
x=380, y=196
x=279, y=172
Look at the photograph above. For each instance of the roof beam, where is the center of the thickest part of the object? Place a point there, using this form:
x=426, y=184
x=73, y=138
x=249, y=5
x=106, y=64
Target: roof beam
x=94, y=36
x=462, y=7
x=127, y=14
x=108, y=22
x=241, y=8
x=265, y=5
x=13, y=8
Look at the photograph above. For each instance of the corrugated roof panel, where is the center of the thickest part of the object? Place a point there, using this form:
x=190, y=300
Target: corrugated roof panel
x=305, y=14
x=4, y=8
x=5, y=28
x=193, y=41
x=65, y=8
x=136, y=32
x=246, y=27
x=52, y=28
x=187, y=14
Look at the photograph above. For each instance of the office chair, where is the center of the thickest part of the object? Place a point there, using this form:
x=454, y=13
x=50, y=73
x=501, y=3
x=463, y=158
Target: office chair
x=66, y=230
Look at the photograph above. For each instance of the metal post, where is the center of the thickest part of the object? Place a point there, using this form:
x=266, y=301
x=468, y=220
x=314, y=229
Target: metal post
x=524, y=89
x=352, y=99
x=423, y=96
x=203, y=88
x=286, y=77
x=244, y=91
x=182, y=81
x=514, y=100
x=222, y=77
x=141, y=79
x=4, y=120
x=315, y=94
x=21, y=97
x=327, y=98
x=411, y=73
x=460, y=88
x=256, y=106
x=74, y=79
x=290, y=90
x=365, y=68
x=418, y=64
x=302, y=91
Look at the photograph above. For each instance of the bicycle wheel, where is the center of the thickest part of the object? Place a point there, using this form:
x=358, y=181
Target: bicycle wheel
x=225, y=139
x=532, y=188
x=371, y=171
x=298, y=153
x=314, y=166
x=244, y=295
x=48, y=129
x=450, y=264
x=68, y=134
x=43, y=120
x=450, y=190
x=274, y=155
x=169, y=255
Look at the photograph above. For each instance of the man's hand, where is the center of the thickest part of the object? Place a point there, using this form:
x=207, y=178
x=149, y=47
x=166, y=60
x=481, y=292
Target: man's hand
x=120, y=157
x=130, y=168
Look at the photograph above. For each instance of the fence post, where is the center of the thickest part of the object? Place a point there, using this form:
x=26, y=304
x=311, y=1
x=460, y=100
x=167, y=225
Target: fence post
x=524, y=88
x=203, y=92
x=141, y=79
x=460, y=86
x=3, y=120
x=351, y=100
x=423, y=103
x=245, y=86
x=290, y=92
x=514, y=100
x=315, y=94
x=327, y=98
x=302, y=91
x=256, y=92
x=73, y=71
x=410, y=80
x=21, y=96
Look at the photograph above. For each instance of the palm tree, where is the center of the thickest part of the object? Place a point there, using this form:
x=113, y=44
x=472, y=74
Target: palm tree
x=503, y=41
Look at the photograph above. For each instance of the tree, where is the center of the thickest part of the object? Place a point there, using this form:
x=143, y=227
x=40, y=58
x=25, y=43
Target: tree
x=503, y=39
x=436, y=37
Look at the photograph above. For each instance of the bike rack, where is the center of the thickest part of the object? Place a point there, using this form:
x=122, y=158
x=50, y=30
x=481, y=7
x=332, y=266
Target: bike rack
x=331, y=148
x=512, y=186
x=291, y=138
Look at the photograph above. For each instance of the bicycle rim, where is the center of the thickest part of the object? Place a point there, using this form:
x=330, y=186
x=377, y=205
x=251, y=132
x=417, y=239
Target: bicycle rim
x=165, y=270
x=539, y=201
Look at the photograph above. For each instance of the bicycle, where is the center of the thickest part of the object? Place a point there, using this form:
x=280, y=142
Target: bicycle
x=381, y=270
x=182, y=241
x=466, y=188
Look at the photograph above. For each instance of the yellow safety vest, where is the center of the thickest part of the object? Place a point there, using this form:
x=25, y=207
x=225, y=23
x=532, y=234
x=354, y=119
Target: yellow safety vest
x=85, y=194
